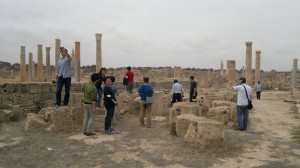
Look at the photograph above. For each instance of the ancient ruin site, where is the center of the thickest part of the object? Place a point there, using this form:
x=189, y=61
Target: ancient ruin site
x=211, y=48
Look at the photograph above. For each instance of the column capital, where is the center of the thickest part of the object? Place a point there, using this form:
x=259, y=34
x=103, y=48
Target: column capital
x=258, y=51
x=248, y=43
x=57, y=40
x=98, y=36
x=48, y=48
x=39, y=45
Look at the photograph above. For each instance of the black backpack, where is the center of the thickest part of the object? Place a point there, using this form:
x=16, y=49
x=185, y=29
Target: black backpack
x=125, y=81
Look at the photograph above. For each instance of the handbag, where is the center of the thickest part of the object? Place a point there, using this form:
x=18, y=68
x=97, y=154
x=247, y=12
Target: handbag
x=250, y=105
x=149, y=100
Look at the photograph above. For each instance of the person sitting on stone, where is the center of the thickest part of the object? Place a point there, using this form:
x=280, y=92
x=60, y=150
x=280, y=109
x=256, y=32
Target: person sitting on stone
x=177, y=92
x=89, y=103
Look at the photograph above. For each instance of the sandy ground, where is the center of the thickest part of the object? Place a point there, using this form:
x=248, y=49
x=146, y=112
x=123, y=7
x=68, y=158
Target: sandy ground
x=271, y=141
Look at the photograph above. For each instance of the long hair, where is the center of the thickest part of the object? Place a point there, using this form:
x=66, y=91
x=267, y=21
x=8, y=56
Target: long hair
x=102, y=69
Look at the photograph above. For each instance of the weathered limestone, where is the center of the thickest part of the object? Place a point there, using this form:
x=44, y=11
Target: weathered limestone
x=177, y=72
x=222, y=69
x=230, y=70
x=30, y=68
x=40, y=70
x=77, y=61
x=257, y=66
x=294, y=76
x=48, y=64
x=98, y=52
x=33, y=70
x=22, y=64
x=73, y=60
x=57, y=53
x=248, y=67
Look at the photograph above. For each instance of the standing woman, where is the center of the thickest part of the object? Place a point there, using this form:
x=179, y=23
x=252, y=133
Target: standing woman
x=100, y=86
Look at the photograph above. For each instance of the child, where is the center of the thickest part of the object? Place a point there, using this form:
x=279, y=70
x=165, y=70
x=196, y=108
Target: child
x=109, y=103
x=89, y=103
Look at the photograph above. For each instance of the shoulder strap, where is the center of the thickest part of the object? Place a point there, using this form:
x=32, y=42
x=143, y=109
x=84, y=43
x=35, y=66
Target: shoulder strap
x=246, y=92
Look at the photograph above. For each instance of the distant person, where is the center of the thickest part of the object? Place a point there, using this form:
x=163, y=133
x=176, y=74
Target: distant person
x=130, y=80
x=89, y=103
x=258, y=90
x=242, y=102
x=193, y=89
x=100, y=86
x=115, y=91
x=177, y=91
x=63, y=76
x=110, y=102
x=146, y=91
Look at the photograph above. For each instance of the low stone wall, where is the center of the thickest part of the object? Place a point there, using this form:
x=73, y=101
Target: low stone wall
x=30, y=96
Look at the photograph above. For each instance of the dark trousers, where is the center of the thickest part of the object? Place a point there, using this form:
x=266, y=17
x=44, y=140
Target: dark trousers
x=177, y=97
x=60, y=82
x=192, y=97
x=258, y=95
x=109, y=115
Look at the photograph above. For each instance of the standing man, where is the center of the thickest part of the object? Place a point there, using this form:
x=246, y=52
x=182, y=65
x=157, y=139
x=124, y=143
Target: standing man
x=63, y=76
x=242, y=102
x=177, y=92
x=129, y=75
x=145, y=91
x=258, y=90
x=193, y=89
x=110, y=103
x=89, y=103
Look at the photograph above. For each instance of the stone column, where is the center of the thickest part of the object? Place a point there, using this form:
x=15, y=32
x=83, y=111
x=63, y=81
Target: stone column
x=77, y=61
x=257, y=66
x=57, y=54
x=30, y=68
x=294, y=75
x=73, y=61
x=230, y=70
x=98, y=52
x=33, y=71
x=40, y=70
x=248, y=67
x=48, y=64
x=22, y=64
x=222, y=69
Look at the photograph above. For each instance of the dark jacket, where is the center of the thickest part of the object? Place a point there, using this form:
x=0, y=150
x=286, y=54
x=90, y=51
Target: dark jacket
x=99, y=83
x=109, y=97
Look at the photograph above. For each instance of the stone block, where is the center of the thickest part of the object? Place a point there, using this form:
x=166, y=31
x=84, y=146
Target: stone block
x=183, y=122
x=61, y=118
x=35, y=122
x=218, y=103
x=78, y=116
x=75, y=100
x=158, y=104
x=22, y=99
x=220, y=113
x=5, y=115
x=205, y=132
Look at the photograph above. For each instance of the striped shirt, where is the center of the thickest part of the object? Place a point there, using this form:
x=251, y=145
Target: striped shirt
x=89, y=92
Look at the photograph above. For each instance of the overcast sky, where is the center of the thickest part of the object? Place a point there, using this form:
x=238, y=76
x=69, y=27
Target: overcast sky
x=186, y=33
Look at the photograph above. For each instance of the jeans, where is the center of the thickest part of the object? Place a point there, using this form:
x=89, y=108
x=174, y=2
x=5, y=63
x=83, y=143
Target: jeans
x=60, y=82
x=144, y=108
x=89, y=118
x=242, y=114
x=108, y=118
x=130, y=87
x=99, y=92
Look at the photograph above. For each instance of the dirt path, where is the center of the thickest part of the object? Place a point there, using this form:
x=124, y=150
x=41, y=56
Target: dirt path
x=268, y=143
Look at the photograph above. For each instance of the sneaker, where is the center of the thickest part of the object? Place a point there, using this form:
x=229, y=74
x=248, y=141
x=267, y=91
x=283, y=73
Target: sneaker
x=109, y=132
x=90, y=134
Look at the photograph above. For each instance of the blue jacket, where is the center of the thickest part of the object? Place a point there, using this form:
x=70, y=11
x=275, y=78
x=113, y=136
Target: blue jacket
x=145, y=90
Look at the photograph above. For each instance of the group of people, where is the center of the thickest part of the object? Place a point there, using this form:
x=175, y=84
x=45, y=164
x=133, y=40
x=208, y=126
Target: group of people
x=101, y=85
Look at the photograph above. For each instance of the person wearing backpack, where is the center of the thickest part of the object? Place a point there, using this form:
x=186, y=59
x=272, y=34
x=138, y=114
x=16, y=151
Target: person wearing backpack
x=146, y=93
x=243, y=101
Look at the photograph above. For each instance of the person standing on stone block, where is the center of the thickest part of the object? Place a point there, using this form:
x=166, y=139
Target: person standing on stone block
x=130, y=78
x=89, y=103
x=100, y=86
x=145, y=91
x=110, y=102
x=63, y=76
x=258, y=90
x=177, y=91
x=193, y=90
x=242, y=102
